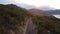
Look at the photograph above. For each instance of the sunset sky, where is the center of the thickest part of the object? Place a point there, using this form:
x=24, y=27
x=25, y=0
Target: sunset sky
x=37, y=3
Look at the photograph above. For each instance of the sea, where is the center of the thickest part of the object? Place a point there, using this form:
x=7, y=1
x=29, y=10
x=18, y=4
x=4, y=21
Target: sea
x=57, y=16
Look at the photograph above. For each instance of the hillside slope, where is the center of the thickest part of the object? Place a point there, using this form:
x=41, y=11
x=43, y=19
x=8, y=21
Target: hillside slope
x=12, y=19
x=17, y=20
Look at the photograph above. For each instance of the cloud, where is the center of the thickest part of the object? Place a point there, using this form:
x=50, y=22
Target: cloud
x=52, y=3
x=38, y=3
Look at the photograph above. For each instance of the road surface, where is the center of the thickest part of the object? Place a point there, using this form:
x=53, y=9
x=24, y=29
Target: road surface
x=29, y=27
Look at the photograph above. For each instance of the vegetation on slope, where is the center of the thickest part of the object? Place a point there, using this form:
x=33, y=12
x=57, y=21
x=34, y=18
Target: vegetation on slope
x=46, y=25
x=11, y=18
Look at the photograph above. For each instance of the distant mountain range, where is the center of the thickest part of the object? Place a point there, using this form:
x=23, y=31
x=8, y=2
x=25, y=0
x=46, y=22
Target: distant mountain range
x=51, y=13
x=47, y=9
x=37, y=11
x=54, y=12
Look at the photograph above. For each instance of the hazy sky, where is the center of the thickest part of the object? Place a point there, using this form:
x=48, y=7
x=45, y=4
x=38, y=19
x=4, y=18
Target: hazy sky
x=38, y=3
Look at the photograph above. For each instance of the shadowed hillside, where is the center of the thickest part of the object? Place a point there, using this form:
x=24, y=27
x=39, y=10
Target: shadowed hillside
x=17, y=20
x=11, y=19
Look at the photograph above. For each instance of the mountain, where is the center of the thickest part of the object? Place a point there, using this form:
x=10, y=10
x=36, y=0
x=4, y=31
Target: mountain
x=13, y=6
x=54, y=12
x=17, y=20
x=35, y=11
x=50, y=10
x=39, y=12
x=47, y=9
